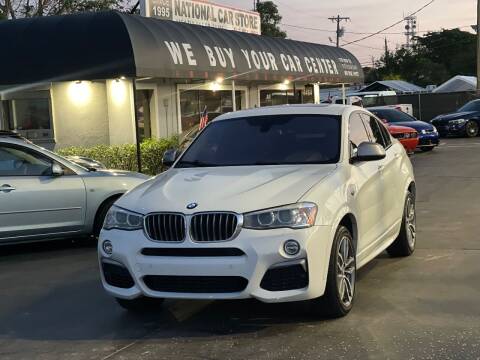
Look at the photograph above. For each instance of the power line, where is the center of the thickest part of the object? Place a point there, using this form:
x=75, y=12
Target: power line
x=366, y=33
x=391, y=26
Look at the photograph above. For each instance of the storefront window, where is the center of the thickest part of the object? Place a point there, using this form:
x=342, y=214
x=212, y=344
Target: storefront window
x=31, y=117
x=142, y=106
x=283, y=97
x=193, y=102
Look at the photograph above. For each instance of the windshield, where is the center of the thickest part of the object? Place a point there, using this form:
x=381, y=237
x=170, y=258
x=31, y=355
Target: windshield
x=266, y=140
x=392, y=115
x=470, y=106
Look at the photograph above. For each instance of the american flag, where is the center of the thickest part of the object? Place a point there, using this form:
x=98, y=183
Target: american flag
x=203, y=118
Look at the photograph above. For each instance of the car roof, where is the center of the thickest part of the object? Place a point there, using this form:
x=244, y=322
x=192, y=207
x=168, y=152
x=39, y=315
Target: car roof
x=297, y=109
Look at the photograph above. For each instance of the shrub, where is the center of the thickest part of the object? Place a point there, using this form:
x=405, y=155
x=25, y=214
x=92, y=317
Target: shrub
x=124, y=157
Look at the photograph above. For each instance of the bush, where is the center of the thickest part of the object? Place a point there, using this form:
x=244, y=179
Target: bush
x=124, y=157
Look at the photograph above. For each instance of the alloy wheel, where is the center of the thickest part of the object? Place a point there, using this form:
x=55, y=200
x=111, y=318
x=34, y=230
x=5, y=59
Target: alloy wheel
x=411, y=222
x=472, y=128
x=346, y=269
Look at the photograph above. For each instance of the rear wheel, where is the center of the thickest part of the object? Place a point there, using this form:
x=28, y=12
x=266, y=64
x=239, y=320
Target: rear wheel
x=141, y=304
x=471, y=128
x=340, y=289
x=404, y=244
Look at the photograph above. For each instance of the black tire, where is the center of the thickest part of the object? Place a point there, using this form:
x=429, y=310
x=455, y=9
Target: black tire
x=334, y=302
x=404, y=244
x=101, y=213
x=471, y=129
x=141, y=304
x=426, y=148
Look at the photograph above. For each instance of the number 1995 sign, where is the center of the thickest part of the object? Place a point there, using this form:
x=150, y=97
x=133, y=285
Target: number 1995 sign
x=203, y=13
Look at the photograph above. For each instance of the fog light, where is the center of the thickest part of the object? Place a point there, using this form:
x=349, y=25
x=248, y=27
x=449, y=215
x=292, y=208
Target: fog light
x=107, y=247
x=291, y=247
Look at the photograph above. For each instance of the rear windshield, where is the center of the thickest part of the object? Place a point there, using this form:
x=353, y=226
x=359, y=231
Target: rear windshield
x=266, y=140
x=392, y=115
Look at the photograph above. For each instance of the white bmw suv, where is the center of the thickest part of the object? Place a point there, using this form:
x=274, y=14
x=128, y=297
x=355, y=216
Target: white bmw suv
x=278, y=204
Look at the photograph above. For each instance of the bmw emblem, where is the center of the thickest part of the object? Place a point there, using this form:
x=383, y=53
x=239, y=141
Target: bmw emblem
x=192, y=206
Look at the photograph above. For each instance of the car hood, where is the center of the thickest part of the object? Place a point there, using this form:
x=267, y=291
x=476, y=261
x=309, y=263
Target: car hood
x=417, y=125
x=240, y=189
x=453, y=116
x=397, y=129
x=116, y=173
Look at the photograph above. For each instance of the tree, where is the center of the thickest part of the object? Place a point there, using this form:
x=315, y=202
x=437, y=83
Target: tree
x=12, y=9
x=270, y=19
x=435, y=58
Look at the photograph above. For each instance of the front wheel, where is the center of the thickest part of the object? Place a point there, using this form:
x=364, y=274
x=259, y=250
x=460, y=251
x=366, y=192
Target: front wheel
x=471, y=129
x=141, y=304
x=340, y=289
x=404, y=244
x=426, y=148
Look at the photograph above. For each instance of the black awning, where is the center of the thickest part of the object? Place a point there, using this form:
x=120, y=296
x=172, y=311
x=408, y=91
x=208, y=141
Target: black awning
x=111, y=44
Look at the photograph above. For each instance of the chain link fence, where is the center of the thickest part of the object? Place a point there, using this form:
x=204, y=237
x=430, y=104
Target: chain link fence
x=425, y=106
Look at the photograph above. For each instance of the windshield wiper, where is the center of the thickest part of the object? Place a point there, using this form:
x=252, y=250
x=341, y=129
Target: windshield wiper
x=193, y=163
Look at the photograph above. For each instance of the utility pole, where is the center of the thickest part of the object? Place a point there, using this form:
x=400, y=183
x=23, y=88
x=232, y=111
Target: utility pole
x=340, y=31
x=478, y=47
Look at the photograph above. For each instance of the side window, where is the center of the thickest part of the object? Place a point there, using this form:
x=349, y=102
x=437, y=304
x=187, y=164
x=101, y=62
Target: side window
x=373, y=128
x=15, y=161
x=386, y=135
x=356, y=132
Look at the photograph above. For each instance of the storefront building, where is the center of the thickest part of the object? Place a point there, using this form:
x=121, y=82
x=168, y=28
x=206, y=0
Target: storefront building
x=93, y=78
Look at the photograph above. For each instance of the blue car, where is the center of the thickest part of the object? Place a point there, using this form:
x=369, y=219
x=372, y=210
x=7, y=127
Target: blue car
x=427, y=133
x=463, y=122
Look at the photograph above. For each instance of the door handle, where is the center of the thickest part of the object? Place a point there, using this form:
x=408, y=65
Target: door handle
x=381, y=167
x=6, y=188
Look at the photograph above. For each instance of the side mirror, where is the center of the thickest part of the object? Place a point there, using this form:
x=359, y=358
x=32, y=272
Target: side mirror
x=169, y=157
x=57, y=170
x=368, y=151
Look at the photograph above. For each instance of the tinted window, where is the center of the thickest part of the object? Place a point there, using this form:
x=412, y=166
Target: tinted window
x=392, y=115
x=18, y=162
x=471, y=106
x=374, y=130
x=266, y=140
x=357, y=132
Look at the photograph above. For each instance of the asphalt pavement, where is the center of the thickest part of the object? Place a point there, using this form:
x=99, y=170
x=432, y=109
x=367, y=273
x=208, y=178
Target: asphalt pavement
x=52, y=305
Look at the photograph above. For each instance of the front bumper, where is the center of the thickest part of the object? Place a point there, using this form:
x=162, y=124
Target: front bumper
x=431, y=139
x=451, y=130
x=262, y=250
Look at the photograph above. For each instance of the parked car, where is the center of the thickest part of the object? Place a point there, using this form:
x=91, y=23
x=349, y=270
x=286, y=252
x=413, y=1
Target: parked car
x=277, y=203
x=463, y=122
x=407, y=136
x=428, y=137
x=44, y=196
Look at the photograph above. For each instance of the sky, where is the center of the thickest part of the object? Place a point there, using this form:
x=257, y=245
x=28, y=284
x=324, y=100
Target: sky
x=366, y=16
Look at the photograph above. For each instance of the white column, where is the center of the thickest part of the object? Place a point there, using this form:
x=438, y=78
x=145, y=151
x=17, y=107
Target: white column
x=234, y=99
x=316, y=94
x=343, y=95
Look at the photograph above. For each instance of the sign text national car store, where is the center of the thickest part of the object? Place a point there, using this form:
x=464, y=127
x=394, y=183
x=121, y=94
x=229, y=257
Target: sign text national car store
x=203, y=13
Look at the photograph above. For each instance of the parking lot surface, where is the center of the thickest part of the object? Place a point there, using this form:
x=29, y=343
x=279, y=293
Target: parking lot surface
x=52, y=305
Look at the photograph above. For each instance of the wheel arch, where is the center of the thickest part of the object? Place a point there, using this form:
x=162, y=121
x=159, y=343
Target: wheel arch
x=350, y=222
x=111, y=197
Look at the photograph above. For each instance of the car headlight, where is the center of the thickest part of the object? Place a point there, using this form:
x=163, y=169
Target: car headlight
x=457, y=122
x=295, y=216
x=423, y=131
x=118, y=218
x=435, y=130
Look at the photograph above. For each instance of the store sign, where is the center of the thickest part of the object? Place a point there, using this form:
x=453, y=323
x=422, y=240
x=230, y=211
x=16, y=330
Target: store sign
x=203, y=13
x=248, y=61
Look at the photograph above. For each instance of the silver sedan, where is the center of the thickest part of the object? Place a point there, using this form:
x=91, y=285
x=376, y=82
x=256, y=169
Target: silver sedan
x=45, y=196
